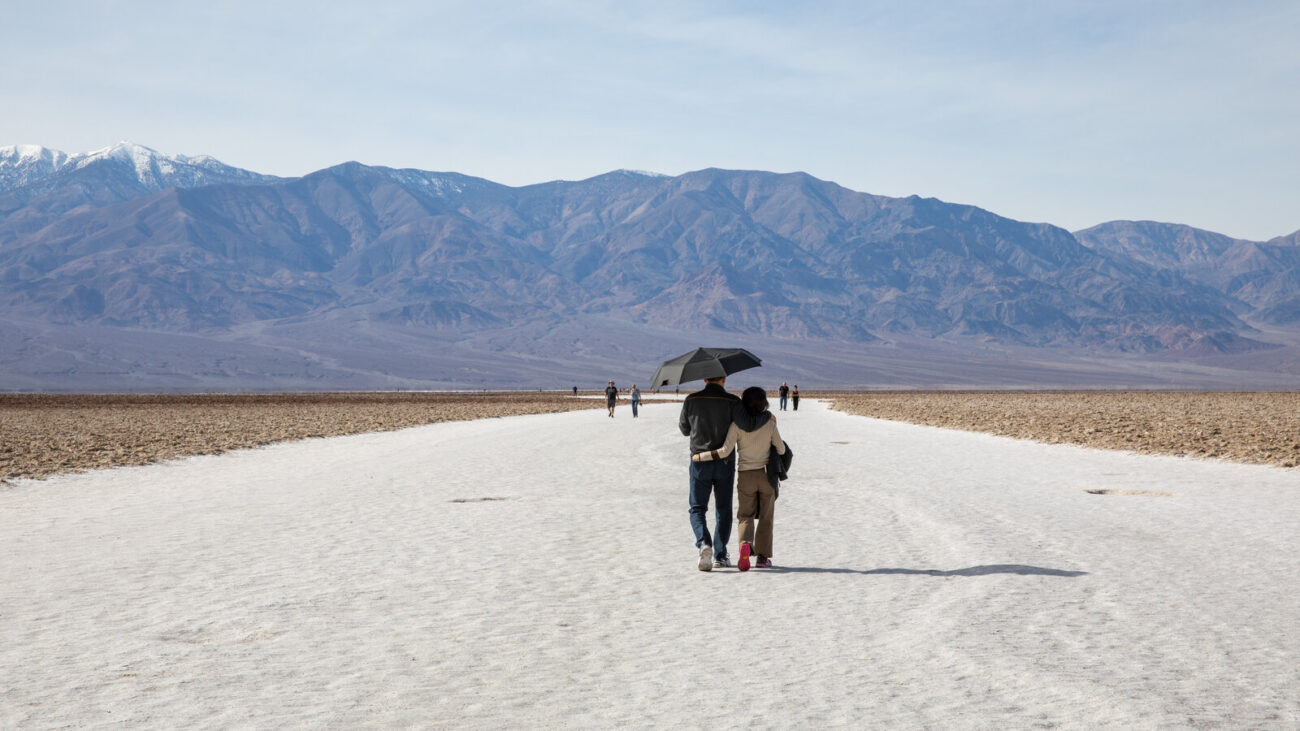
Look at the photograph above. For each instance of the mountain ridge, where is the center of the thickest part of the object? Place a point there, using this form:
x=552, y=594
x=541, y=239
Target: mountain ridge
x=109, y=243
x=1264, y=275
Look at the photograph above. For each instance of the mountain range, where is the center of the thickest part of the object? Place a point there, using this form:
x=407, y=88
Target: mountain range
x=382, y=277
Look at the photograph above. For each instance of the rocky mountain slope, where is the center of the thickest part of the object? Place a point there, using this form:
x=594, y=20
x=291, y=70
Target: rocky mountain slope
x=1263, y=275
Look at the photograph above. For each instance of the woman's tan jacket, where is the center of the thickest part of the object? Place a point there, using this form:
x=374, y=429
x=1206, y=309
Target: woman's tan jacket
x=753, y=446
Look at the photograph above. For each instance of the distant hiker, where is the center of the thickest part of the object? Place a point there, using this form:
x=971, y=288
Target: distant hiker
x=611, y=396
x=757, y=484
x=785, y=394
x=706, y=417
x=575, y=390
x=794, y=397
x=636, y=399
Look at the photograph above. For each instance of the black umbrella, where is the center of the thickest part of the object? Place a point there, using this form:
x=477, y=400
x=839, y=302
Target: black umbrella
x=703, y=363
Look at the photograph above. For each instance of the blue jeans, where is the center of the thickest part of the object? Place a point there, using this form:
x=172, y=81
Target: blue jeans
x=783, y=398
x=717, y=478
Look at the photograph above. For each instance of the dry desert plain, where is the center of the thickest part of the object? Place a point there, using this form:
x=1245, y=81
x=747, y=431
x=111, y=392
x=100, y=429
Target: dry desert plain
x=1261, y=428
x=42, y=435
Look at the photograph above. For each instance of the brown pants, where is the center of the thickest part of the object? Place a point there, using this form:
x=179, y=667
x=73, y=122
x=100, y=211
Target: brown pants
x=757, y=499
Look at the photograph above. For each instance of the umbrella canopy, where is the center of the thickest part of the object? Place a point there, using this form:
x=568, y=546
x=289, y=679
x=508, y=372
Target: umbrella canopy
x=703, y=363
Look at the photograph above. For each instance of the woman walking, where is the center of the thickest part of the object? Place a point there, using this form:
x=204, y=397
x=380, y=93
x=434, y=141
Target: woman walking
x=754, y=486
x=794, y=397
x=636, y=399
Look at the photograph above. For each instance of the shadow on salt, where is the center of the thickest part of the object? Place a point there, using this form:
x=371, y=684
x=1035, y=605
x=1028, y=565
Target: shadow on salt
x=1017, y=569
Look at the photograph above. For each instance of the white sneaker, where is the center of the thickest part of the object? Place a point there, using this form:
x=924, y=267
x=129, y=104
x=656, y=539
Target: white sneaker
x=706, y=558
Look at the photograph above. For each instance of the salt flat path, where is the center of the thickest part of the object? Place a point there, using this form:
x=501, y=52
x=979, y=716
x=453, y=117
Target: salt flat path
x=539, y=572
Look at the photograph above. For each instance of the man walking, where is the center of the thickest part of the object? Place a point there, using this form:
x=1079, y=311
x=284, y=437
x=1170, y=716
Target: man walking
x=611, y=397
x=785, y=394
x=706, y=416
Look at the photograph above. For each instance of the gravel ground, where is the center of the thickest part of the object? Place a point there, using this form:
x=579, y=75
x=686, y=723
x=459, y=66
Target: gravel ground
x=1243, y=427
x=42, y=435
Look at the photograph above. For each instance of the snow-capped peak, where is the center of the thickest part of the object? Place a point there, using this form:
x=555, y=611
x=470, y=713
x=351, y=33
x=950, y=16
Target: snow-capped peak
x=15, y=153
x=141, y=158
x=21, y=165
x=123, y=150
x=641, y=173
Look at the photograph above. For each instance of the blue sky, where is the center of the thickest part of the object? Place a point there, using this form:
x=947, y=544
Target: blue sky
x=1068, y=112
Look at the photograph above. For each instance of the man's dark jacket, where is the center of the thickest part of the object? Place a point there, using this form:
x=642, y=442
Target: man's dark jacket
x=708, y=413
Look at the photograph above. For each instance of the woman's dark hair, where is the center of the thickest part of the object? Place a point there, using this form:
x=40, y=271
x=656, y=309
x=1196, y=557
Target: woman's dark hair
x=754, y=399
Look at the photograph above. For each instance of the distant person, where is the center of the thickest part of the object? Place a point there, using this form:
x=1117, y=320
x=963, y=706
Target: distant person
x=636, y=399
x=707, y=416
x=757, y=483
x=575, y=390
x=611, y=396
x=794, y=397
x=785, y=394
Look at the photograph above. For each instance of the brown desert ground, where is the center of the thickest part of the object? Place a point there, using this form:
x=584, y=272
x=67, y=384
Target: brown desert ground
x=43, y=435
x=1244, y=427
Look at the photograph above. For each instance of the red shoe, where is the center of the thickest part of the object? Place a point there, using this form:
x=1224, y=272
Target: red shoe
x=744, y=557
